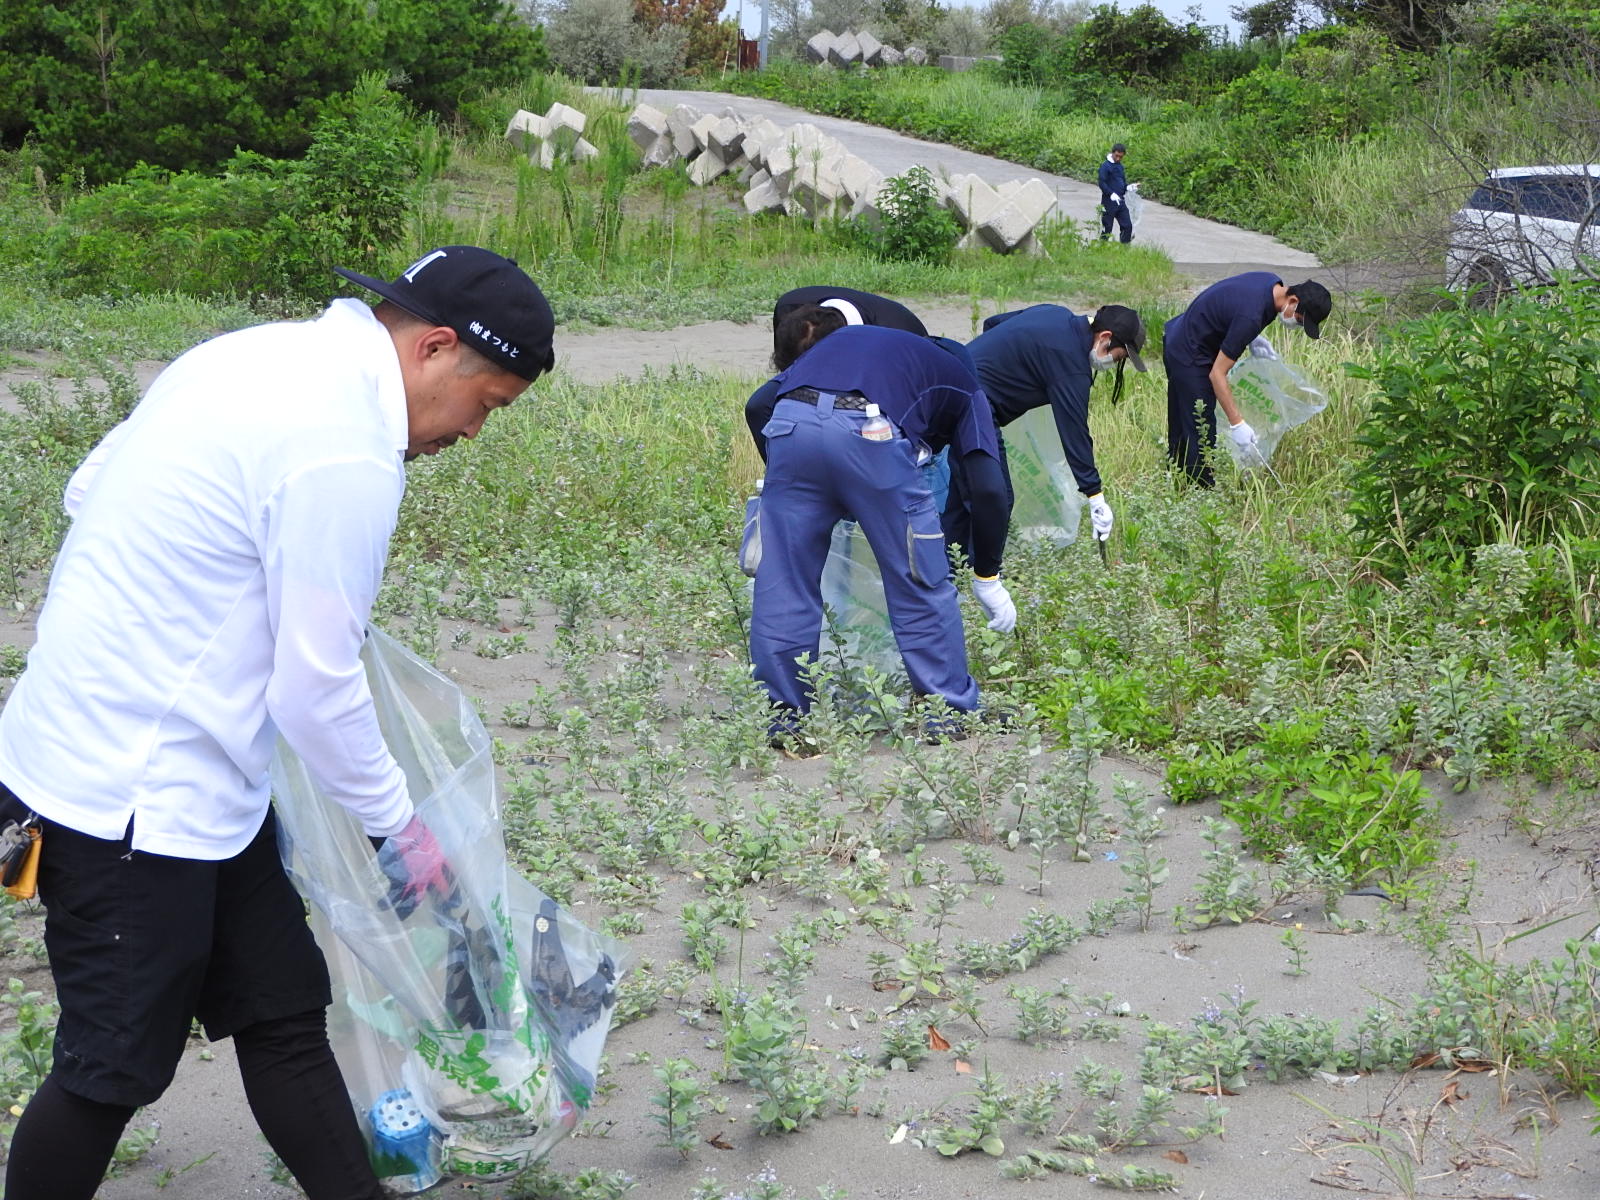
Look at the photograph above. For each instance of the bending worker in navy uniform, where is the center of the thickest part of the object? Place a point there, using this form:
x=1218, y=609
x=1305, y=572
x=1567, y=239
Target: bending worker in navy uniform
x=791, y=329
x=1206, y=339
x=1114, y=195
x=228, y=541
x=1048, y=354
x=821, y=470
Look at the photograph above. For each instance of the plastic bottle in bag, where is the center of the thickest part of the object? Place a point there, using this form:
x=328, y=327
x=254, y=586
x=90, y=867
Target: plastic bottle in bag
x=877, y=428
x=750, y=542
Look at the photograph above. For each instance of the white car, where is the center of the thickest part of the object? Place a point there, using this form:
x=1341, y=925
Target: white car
x=1521, y=226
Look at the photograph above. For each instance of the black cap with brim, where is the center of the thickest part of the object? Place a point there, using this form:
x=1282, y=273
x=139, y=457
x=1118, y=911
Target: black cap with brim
x=1126, y=327
x=485, y=297
x=1314, y=306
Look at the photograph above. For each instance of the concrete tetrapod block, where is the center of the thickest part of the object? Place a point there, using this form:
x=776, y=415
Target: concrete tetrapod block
x=662, y=152
x=681, y=125
x=1013, y=222
x=845, y=51
x=706, y=167
x=562, y=116
x=916, y=56
x=818, y=48
x=761, y=138
x=583, y=150
x=956, y=62
x=646, y=125
x=860, y=178
x=972, y=200
x=527, y=131
x=702, y=131
x=817, y=188
x=871, y=49
x=742, y=169
x=890, y=57
x=762, y=197
x=726, y=137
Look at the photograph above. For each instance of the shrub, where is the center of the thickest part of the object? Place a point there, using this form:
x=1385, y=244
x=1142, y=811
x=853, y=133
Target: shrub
x=264, y=226
x=1483, y=424
x=913, y=227
x=598, y=41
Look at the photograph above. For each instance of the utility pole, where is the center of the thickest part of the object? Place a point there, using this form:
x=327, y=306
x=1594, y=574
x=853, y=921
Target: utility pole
x=765, y=5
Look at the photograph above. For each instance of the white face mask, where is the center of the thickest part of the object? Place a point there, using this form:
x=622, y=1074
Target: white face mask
x=1291, y=322
x=1101, y=362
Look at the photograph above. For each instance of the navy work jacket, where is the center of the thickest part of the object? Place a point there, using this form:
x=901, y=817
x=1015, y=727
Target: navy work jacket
x=1037, y=356
x=1113, y=181
x=1223, y=319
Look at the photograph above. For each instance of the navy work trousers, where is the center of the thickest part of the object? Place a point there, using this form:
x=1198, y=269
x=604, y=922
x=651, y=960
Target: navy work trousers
x=1115, y=211
x=1190, y=439
x=820, y=470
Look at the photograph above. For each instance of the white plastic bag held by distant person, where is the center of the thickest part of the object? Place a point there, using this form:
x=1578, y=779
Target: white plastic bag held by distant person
x=469, y=1026
x=1273, y=397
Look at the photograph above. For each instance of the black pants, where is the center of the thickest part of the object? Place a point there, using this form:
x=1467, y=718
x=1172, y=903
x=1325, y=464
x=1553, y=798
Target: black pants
x=140, y=944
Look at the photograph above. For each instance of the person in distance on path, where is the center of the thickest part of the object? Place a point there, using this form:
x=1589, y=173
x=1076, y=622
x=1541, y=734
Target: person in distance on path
x=1114, y=196
x=1207, y=338
x=1047, y=354
x=821, y=469
x=228, y=541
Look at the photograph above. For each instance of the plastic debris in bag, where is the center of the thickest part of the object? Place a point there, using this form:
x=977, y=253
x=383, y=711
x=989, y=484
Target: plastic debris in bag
x=856, y=623
x=1048, y=504
x=469, y=1027
x=750, y=536
x=1274, y=397
x=1135, y=205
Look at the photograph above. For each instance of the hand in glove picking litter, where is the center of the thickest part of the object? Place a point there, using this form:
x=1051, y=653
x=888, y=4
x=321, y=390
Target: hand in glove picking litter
x=415, y=865
x=1100, y=516
x=1244, y=437
x=996, y=601
x=1116, y=199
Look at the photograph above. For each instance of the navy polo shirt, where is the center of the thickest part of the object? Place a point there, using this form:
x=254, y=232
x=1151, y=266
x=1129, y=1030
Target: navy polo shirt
x=921, y=388
x=1223, y=319
x=1037, y=356
x=874, y=310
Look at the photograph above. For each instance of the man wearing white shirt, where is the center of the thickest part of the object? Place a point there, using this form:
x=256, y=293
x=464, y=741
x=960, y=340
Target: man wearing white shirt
x=228, y=542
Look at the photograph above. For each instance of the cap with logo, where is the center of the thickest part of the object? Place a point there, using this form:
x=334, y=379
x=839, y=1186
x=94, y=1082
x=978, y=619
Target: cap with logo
x=485, y=297
x=1314, y=307
x=1127, y=330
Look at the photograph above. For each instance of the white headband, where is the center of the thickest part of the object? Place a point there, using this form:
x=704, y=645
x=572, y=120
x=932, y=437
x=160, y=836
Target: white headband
x=852, y=314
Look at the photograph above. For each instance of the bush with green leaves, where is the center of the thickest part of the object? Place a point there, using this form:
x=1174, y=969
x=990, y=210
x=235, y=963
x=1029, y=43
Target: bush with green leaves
x=598, y=41
x=264, y=226
x=183, y=86
x=913, y=226
x=1482, y=429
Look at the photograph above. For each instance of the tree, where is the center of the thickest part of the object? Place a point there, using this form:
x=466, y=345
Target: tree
x=1273, y=19
x=181, y=84
x=1141, y=42
x=598, y=40
x=710, y=43
x=1409, y=24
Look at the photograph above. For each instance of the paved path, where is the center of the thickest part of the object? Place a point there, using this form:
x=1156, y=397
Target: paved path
x=1209, y=249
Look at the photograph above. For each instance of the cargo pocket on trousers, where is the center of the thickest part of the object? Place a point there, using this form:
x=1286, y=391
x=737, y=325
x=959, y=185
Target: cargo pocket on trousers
x=930, y=565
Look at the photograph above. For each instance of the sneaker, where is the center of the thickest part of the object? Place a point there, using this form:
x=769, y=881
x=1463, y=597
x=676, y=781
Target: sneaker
x=794, y=745
x=949, y=727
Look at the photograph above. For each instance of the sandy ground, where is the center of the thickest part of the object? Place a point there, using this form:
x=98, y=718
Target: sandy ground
x=1474, y=1134
x=1472, y=1140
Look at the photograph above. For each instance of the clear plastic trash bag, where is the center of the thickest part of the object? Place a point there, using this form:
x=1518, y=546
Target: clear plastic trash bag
x=1274, y=397
x=1135, y=203
x=470, y=1028
x=1048, y=505
x=856, y=611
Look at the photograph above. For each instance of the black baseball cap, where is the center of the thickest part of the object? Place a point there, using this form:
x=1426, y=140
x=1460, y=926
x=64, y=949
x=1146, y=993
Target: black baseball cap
x=1315, y=305
x=485, y=297
x=1126, y=328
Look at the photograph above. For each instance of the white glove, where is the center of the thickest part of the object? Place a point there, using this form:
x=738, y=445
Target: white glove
x=1100, y=516
x=996, y=601
x=1116, y=199
x=1244, y=437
